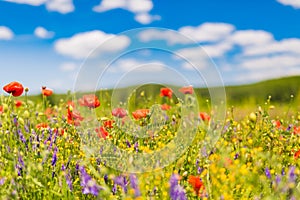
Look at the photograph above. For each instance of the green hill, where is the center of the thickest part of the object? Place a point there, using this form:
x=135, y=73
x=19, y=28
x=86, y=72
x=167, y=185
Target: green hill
x=280, y=89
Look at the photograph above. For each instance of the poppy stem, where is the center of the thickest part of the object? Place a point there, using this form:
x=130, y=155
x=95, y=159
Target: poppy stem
x=208, y=183
x=44, y=107
x=26, y=99
x=10, y=103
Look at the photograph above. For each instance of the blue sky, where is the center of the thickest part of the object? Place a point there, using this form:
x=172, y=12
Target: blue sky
x=48, y=42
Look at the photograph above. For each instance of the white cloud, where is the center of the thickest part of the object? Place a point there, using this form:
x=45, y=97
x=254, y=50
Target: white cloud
x=6, y=33
x=130, y=64
x=82, y=44
x=61, y=6
x=68, y=67
x=271, y=62
x=171, y=37
x=293, y=3
x=29, y=2
x=213, y=51
x=41, y=32
x=258, y=57
x=208, y=32
x=145, y=18
x=217, y=50
x=135, y=6
x=290, y=45
x=264, y=74
x=140, y=8
x=251, y=37
x=194, y=58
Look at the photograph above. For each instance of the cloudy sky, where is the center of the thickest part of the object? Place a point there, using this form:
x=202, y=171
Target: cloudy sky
x=78, y=43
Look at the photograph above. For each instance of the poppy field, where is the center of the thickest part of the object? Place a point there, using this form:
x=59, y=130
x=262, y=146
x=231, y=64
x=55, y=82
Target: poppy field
x=76, y=148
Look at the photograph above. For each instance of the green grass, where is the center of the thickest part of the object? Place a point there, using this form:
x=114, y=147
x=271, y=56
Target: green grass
x=246, y=156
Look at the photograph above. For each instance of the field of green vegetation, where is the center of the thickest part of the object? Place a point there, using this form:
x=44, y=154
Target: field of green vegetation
x=55, y=146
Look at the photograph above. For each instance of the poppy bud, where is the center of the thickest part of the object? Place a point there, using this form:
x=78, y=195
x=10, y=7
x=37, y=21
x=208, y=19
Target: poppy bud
x=252, y=117
x=26, y=114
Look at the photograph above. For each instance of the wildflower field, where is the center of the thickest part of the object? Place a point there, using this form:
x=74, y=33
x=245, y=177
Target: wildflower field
x=50, y=150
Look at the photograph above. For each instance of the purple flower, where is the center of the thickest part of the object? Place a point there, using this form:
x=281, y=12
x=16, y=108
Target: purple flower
x=121, y=181
x=176, y=191
x=204, y=152
x=2, y=181
x=69, y=181
x=134, y=185
x=292, y=175
x=289, y=127
x=15, y=121
x=20, y=159
x=166, y=117
x=199, y=170
x=114, y=189
x=26, y=128
x=89, y=185
x=278, y=179
x=268, y=173
x=49, y=138
x=22, y=138
x=54, y=157
x=19, y=166
x=174, y=180
x=68, y=177
x=136, y=146
x=105, y=178
x=128, y=144
x=101, y=150
x=236, y=156
x=53, y=141
x=282, y=172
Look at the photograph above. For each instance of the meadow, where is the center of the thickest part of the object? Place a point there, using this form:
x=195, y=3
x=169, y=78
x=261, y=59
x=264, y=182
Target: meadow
x=60, y=147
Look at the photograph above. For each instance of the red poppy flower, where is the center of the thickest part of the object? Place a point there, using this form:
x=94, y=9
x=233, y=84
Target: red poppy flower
x=166, y=92
x=18, y=103
x=227, y=162
x=141, y=113
x=49, y=112
x=165, y=107
x=277, y=124
x=197, y=184
x=297, y=130
x=187, y=90
x=119, y=112
x=14, y=88
x=59, y=131
x=102, y=133
x=90, y=101
x=71, y=103
x=1, y=110
x=109, y=124
x=297, y=154
x=204, y=116
x=46, y=91
x=74, y=116
x=42, y=125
